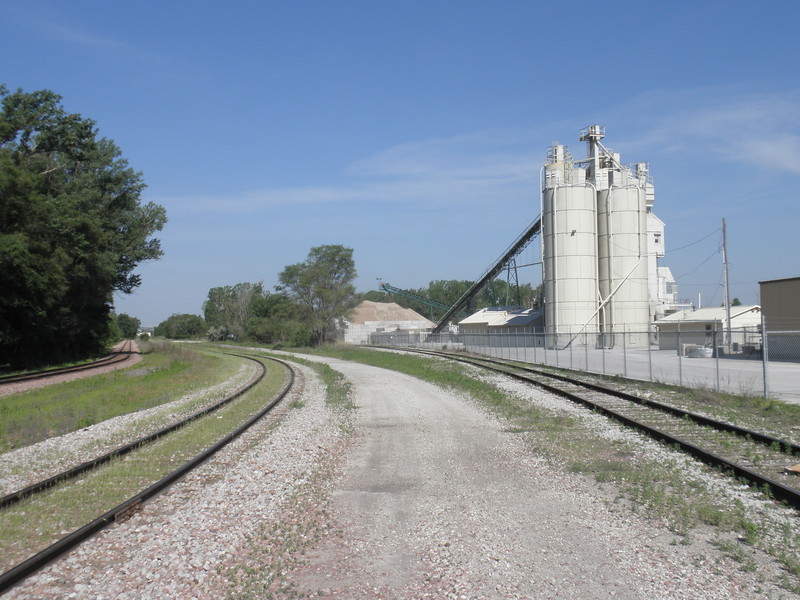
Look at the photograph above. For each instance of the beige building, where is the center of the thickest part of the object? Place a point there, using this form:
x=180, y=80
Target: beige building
x=705, y=328
x=369, y=318
x=780, y=303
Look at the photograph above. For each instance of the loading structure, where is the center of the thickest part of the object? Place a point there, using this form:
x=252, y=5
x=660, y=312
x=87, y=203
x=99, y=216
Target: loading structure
x=595, y=245
x=431, y=304
x=491, y=272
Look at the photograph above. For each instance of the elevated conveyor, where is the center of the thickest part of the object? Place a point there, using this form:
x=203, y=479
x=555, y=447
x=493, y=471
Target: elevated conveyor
x=431, y=304
x=491, y=272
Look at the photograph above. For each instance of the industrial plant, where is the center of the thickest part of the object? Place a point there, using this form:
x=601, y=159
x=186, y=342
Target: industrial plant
x=601, y=245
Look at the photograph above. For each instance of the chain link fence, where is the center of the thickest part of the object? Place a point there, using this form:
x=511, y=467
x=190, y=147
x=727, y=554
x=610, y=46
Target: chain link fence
x=742, y=361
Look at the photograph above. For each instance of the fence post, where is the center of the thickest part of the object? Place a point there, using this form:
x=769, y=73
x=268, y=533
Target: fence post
x=624, y=353
x=650, y=351
x=544, y=346
x=525, y=345
x=680, y=362
x=765, y=355
x=570, y=351
x=716, y=353
x=603, y=352
x=586, y=349
x=555, y=345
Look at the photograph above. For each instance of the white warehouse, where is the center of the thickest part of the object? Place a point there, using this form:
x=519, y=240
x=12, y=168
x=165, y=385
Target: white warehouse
x=600, y=247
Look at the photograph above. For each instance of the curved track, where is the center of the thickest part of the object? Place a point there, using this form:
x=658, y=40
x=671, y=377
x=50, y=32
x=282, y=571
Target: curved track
x=758, y=458
x=120, y=355
x=121, y=511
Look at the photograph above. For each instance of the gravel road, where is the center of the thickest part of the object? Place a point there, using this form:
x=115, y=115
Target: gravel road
x=437, y=501
x=420, y=494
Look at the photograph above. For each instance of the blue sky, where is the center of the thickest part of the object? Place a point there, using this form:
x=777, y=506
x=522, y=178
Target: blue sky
x=413, y=132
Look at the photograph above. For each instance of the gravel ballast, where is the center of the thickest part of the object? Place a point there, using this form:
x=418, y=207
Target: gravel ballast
x=420, y=494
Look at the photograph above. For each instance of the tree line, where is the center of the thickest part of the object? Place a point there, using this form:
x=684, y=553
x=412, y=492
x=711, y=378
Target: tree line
x=311, y=301
x=72, y=231
x=305, y=309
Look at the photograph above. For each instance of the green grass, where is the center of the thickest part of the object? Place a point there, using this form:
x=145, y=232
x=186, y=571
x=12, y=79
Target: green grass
x=165, y=373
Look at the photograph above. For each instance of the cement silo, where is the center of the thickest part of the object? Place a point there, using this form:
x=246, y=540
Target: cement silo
x=569, y=236
x=622, y=205
x=622, y=261
x=594, y=246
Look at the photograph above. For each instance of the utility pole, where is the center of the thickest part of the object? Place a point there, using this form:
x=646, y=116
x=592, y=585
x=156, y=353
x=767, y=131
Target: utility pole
x=727, y=300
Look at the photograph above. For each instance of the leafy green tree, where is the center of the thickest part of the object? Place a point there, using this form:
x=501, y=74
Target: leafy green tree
x=228, y=308
x=273, y=319
x=181, y=327
x=322, y=289
x=128, y=325
x=72, y=230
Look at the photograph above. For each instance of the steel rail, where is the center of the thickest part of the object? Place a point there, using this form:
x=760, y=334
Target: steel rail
x=39, y=560
x=45, y=484
x=778, y=490
x=113, y=358
x=768, y=440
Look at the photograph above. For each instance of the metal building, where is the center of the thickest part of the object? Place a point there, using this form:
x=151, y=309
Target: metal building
x=600, y=246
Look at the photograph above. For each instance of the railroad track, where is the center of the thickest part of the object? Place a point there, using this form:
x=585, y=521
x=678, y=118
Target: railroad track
x=117, y=356
x=755, y=457
x=52, y=492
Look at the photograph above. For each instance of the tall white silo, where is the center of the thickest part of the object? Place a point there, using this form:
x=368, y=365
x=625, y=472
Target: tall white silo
x=622, y=259
x=569, y=253
x=622, y=205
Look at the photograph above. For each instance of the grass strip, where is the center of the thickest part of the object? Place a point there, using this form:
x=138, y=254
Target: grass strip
x=165, y=373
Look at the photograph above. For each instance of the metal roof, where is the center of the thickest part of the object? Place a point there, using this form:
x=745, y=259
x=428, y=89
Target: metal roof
x=743, y=315
x=777, y=280
x=502, y=316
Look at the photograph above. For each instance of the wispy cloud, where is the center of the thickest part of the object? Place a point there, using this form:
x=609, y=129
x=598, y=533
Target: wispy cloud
x=61, y=28
x=423, y=176
x=61, y=32
x=757, y=129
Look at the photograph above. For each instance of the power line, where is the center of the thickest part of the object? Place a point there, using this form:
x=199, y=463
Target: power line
x=717, y=230
x=716, y=251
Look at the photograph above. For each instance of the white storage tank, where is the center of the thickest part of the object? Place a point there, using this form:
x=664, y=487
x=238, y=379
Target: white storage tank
x=622, y=259
x=569, y=236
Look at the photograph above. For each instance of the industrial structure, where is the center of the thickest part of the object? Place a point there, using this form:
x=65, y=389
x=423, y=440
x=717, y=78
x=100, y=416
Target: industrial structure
x=600, y=247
